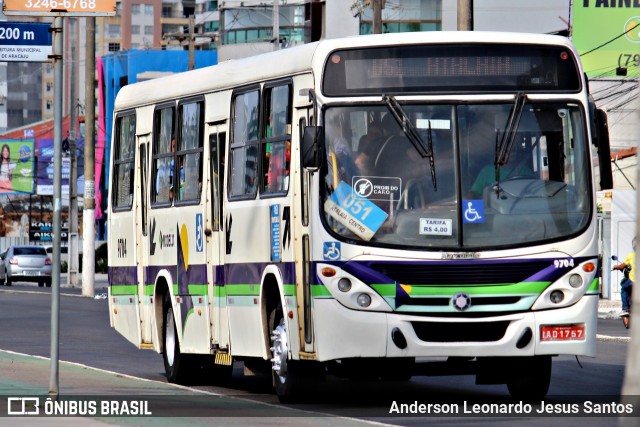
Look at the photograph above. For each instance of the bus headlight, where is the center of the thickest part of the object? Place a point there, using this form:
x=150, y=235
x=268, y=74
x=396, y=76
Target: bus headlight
x=344, y=284
x=349, y=290
x=568, y=289
x=364, y=300
x=575, y=280
x=556, y=297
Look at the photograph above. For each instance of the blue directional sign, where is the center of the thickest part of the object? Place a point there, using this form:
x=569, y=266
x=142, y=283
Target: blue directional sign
x=25, y=42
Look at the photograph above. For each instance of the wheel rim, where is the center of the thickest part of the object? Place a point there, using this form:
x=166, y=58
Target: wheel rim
x=279, y=350
x=170, y=338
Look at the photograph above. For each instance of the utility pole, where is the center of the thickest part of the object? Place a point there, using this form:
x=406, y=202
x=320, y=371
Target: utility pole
x=192, y=42
x=189, y=39
x=465, y=15
x=89, y=203
x=276, y=24
x=377, y=6
x=72, y=266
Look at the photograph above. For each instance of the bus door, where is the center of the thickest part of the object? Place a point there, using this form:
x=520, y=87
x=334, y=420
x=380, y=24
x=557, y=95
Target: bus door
x=302, y=242
x=123, y=232
x=142, y=248
x=214, y=233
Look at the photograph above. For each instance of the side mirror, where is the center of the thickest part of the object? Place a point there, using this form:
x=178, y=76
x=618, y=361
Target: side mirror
x=601, y=139
x=311, y=143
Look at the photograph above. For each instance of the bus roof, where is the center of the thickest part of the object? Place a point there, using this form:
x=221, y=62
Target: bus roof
x=300, y=59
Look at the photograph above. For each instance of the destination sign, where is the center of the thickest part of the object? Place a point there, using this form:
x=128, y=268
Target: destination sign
x=60, y=7
x=25, y=42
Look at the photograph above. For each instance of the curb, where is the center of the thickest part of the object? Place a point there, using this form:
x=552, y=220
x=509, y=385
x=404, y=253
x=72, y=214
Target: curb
x=608, y=338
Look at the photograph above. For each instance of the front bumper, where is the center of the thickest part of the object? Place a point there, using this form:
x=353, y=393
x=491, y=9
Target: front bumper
x=346, y=333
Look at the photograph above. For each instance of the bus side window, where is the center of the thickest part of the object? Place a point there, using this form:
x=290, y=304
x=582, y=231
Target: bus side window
x=276, y=141
x=244, y=145
x=124, y=162
x=189, y=154
x=163, y=156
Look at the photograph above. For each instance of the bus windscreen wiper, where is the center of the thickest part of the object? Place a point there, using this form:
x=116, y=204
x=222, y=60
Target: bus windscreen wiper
x=506, y=142
x=425, y=150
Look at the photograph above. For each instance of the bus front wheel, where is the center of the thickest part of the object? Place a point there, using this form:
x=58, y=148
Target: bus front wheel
x=171, y=354
x=284, y=371
x=529, y=378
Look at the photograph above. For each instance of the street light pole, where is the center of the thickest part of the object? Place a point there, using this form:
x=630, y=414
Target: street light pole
x=72, y=265
x=57, y=190
x=276, y=24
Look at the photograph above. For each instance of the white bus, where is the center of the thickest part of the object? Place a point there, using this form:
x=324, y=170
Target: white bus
x=350, y=205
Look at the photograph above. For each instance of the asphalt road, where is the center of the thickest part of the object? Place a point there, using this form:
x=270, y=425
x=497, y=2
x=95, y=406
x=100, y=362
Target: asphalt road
x=87, y=339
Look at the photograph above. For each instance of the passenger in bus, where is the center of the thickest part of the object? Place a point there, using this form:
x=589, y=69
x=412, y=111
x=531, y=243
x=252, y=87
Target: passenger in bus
x=340, y=159
x=397, y=157
x=181, y=178
x=368, y=147
x=518, y=165
x=162, y=183
x=279, y=160
x=171, y=168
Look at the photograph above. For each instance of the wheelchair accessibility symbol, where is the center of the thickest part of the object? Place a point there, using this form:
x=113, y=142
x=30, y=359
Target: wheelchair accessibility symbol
x=331, y=251
x=473, y=211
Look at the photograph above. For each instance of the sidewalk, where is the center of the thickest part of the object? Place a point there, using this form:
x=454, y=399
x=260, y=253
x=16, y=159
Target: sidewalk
x=609, y=309
x=102, y=398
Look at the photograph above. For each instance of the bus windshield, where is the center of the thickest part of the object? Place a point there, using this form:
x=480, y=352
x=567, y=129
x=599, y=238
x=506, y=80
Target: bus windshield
x=472, y=192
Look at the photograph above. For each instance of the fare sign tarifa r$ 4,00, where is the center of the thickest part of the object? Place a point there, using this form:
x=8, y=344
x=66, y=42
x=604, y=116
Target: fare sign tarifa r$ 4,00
x=60, y=7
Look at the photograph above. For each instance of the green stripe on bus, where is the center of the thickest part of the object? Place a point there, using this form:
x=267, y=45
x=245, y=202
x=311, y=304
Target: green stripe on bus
x=384, y=289
x=509, y=289
x=124, y=290
x=218, y=291
x=198, y=290
x=253, y=290
x=320, y=291
x=240, y=290
x=289, y=290
x=594, y=286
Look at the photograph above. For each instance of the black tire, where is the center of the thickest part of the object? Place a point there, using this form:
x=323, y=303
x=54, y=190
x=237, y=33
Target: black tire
x=285, y=372
x=2, y=282
x=173, y=360
x=47, y=283
x=398, y=369
x=529, y=378
x=40, y=284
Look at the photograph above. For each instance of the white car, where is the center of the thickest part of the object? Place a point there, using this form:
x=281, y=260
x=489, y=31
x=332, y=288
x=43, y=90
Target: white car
x=25, y=263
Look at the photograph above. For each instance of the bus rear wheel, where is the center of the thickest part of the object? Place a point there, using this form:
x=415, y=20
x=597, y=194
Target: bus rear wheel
x=529, y=378
x=173, y=360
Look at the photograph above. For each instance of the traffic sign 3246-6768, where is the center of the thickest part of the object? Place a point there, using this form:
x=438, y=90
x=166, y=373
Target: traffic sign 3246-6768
x=60, y=7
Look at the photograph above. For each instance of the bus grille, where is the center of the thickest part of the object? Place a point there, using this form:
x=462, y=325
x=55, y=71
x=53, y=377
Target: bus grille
x=460, y=331
x=446, y=301
x=453, y=273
